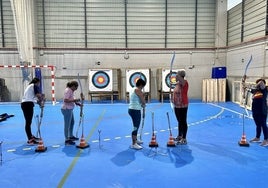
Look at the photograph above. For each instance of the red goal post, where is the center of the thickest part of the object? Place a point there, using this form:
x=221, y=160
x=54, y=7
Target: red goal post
x=52, y=71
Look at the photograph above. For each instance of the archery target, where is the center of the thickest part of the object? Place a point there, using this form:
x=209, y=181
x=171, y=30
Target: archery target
x=100, y=80
x=133, y=75
x=168, y=80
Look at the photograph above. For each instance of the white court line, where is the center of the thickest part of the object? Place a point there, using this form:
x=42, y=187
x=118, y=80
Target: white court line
x=11, y=150
x=230, y=110
x=162, y=130
x=26, y=149
x=56, y=146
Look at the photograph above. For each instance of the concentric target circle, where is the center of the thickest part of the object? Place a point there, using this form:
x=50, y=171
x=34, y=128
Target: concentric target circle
x=100, y=79
x=171, y=80
x=134, y=78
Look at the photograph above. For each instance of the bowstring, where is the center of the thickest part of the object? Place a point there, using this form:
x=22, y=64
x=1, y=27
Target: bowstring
x=170, y=75
x=243, y=82
x=81, y=107
x=143, y=113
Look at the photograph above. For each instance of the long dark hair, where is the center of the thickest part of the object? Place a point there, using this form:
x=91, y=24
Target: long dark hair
x=140, y=82
x=72, y=83
x=34, y=81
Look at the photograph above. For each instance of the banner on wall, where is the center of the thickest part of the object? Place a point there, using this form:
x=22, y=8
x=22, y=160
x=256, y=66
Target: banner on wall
x=133, y=75
x=38, y=74
x=100, y=80
x=168, y=81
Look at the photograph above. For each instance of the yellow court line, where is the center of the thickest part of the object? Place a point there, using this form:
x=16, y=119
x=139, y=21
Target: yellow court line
x=70, y=168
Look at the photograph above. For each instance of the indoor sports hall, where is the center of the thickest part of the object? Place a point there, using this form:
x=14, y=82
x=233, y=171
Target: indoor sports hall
x=103, y=47
x=212, y=157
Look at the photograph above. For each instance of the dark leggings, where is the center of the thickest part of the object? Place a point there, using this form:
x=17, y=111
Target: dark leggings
x=181, y=115
x=28, y=111
x=136, y=120
x=260, y=121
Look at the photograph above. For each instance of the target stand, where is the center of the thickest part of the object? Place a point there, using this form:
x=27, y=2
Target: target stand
x=102, y=95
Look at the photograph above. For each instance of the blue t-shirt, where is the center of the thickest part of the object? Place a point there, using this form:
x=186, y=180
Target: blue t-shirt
x=134, y=100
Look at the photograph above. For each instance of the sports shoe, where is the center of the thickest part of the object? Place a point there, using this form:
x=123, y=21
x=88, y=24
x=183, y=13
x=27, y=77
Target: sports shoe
x=139, y=142
x=182, y=141
x=255, y=140
x=136, y=146
x=32, y=142
x=178, y=138
x=35, y=138
x=264, y=143
x=69, y=142
x=73, y=138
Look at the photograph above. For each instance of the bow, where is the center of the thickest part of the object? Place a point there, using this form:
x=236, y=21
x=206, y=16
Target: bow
x=41, y=103
x=143, y=113
x=81, y=95
x=81, y=106
x=170, y=75
x=244, y=87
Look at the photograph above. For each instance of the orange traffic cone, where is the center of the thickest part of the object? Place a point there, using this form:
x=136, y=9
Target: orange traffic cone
x=83, y=143
x=243, y=141
x=153, y=143
x=40, y=146
x=171, y=142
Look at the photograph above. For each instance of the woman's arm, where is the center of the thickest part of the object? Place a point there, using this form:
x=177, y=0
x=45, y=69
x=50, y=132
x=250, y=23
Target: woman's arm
x=141, y=96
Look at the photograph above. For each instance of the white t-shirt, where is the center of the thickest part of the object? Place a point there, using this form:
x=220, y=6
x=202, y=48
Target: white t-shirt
x=29, y=94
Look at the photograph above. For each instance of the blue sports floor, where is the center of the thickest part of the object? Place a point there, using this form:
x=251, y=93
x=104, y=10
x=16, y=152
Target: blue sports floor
x=212, y=157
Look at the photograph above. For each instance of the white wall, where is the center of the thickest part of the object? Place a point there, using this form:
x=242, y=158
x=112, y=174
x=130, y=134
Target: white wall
x=68, y=64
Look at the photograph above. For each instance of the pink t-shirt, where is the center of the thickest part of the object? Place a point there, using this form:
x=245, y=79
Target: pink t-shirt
x=68, y=94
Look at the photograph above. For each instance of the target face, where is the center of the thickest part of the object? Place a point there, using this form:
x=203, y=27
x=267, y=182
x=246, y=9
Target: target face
x=168, y=79
x=133, y=75
x=100, y=80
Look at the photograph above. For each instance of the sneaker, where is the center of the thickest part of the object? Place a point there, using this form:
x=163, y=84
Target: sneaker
x=139, y=142
x=264, y=143
x=255, y=140
x=136, y=146
x=73, y=138
x=32, y=142
x=35, y=138
x=178, y=138
x=182, y=141
x=69, y=142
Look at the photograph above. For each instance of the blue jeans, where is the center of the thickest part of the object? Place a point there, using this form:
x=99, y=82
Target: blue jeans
x=68, y=122
x=136, y=120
